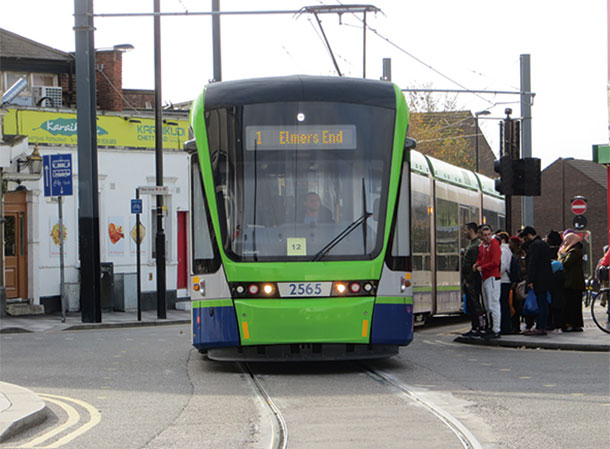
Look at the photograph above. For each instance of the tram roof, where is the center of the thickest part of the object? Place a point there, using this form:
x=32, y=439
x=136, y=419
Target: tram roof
x=300, y=88
x=488, y=186
x=419, y=163
x=446, y=172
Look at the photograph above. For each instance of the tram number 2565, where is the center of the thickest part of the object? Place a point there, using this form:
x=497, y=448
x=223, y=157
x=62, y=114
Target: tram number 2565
x=305, y=289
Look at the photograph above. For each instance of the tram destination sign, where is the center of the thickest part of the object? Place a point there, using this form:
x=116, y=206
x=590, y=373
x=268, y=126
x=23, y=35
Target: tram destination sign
x=302, y=137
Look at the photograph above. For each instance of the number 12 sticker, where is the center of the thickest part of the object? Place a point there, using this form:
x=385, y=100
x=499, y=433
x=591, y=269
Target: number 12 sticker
x=296, y=246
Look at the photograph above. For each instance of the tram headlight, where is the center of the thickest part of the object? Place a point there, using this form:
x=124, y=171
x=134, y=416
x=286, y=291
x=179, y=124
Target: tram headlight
x=240, y=289
x=253, y=289
x=340, y=288
x=268, y=289
x=367, y=287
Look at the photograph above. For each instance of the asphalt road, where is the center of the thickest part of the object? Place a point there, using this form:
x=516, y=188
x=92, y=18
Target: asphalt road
x=153, y=391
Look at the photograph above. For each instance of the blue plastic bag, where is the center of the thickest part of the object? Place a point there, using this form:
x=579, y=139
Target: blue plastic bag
x=530, y=305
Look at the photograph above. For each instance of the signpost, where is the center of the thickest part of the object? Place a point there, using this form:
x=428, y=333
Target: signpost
x=579, y=205
x=136, y=208
x=601, y=155
x=57, y=173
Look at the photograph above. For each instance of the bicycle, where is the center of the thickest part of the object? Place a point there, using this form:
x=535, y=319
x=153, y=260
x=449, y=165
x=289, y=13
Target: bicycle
x=591, y=286
x=600, y=309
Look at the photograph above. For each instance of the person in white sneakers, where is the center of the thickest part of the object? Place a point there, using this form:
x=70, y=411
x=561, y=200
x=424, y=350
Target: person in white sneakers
x=488, y=264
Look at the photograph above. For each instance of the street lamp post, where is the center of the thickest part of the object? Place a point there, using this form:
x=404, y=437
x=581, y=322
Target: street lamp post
x=476, y=137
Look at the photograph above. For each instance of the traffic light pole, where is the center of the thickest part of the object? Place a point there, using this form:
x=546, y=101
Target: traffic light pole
x=527, y=202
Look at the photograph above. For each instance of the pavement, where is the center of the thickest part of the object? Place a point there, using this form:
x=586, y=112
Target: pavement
x=21, y=409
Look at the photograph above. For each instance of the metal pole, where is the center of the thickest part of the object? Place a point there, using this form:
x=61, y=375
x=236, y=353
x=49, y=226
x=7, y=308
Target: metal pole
x=527, y=202
x=88, y=203
x=61, y=257
x=476, y=143
x=608, y=199
x=330, y=50
x=138, y=261
x=160, y=237
x=364, y=44
x=216, y=40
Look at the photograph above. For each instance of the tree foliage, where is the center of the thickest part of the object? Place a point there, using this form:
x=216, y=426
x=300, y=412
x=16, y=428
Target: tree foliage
x=441, y=131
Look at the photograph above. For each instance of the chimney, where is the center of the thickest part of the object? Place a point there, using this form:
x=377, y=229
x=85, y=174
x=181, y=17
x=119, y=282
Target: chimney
x=109, y=79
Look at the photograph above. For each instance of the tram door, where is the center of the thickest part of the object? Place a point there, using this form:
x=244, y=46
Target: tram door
x=15, y=245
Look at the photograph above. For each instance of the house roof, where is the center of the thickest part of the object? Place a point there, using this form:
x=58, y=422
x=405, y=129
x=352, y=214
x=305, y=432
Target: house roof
x=593, y=170
x=15, y=46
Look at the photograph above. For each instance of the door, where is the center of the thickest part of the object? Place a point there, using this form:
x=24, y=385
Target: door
x=15, y=245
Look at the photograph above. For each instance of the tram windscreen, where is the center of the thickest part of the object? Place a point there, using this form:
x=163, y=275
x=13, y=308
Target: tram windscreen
x=303, y=180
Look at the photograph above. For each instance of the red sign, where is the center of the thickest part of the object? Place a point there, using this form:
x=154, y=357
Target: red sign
x=579, y=206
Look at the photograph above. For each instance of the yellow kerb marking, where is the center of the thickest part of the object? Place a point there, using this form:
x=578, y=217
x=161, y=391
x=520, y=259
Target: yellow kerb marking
x=365, y=327
x=244, y=326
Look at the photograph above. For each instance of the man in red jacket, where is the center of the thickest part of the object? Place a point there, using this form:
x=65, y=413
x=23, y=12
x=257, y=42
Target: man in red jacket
x=488, y=264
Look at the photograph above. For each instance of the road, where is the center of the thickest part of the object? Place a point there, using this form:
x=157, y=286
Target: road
x=149, y=389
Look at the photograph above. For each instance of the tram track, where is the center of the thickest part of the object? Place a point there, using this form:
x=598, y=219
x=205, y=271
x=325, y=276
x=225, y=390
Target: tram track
x=280, y=430
x=280, y=438
x=466, y=438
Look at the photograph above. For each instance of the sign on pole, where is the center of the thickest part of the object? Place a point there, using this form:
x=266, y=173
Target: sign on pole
x=57, y=174
x=136, y=206
x=579, y=206
x=154, y=190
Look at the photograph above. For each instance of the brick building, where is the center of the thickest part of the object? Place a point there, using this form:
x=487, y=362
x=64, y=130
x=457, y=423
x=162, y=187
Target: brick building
x=48, y=70
x=563, y=180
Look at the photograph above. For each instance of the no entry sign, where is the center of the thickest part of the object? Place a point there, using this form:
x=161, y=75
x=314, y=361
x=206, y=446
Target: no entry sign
x=579, y=206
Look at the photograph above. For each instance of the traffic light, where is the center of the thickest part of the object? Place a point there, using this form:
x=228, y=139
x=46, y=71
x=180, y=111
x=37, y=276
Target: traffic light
x=518, y=176
x=526, y=176
x=504, y=167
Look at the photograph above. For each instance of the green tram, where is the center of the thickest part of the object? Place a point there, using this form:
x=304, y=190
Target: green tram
x=317, y=231
x=300, y=215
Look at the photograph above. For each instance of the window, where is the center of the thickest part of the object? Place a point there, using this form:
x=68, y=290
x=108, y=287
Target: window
x=447, y=235
x=291, y=177
x=44, y=79
x=401, y=246
x=204, y=260
x=420, y=224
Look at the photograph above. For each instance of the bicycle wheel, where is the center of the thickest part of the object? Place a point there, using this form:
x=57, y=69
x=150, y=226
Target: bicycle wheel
x=600, y=310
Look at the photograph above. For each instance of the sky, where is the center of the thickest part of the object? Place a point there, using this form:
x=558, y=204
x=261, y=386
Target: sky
x=439, y=44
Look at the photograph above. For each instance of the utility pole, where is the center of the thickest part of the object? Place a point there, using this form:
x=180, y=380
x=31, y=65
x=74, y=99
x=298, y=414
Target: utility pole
x=160, y=237
x=88, y=204
x=216, y=40
x=527, y=202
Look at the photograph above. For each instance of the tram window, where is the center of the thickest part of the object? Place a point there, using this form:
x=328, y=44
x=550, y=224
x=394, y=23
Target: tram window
x=491, y=218
x=340, y=153
x=447, y=235
x=420, y=228
x=400, y=244
x=468, y=214
x=203, y=253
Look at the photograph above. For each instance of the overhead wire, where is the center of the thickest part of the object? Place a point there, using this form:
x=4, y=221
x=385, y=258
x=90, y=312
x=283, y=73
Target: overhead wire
x=398, y=47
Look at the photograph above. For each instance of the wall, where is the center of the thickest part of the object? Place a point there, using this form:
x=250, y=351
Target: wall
x=120, y=172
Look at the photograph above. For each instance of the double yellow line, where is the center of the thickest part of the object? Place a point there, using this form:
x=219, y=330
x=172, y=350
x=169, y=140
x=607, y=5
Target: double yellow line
x=73, y=418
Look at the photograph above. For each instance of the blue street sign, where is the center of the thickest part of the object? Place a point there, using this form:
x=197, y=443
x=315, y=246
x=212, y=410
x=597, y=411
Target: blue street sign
x=57, y=174
x=136, y=206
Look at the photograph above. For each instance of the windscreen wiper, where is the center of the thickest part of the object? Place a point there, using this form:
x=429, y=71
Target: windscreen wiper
x=341, y=236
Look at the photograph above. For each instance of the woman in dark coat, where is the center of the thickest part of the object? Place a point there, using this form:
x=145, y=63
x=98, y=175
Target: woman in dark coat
x=570, y=255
